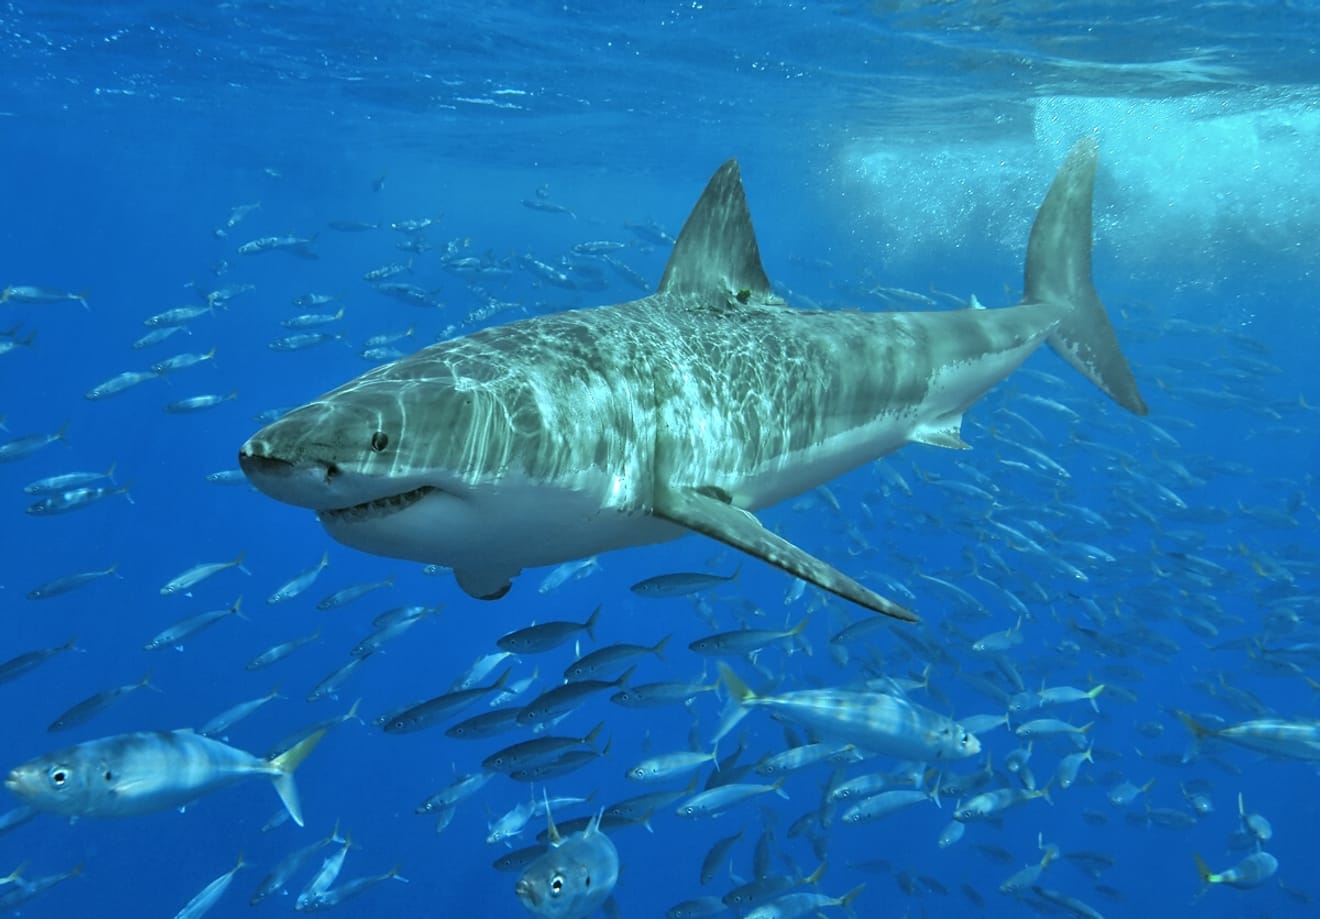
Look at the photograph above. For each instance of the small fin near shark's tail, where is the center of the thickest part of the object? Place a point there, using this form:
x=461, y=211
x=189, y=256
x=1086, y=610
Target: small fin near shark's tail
x=1059, y=271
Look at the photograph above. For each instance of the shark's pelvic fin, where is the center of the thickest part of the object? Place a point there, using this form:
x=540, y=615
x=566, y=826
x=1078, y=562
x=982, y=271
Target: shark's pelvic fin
x=483, y=585
x=949, y=436
x=1059, y=271
x=735, y=527
x=716, y=250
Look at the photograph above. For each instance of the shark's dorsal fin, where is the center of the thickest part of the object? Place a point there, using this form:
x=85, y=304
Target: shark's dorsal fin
x=717, y=248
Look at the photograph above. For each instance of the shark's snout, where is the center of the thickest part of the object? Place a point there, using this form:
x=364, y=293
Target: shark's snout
x=303, y=484
x=255, y=464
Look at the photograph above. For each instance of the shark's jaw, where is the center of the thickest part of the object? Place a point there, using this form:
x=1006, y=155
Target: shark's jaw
x=374, y=509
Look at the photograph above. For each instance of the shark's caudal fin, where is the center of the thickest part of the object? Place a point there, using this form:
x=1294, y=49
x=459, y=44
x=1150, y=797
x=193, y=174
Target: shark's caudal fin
x=1059, y=271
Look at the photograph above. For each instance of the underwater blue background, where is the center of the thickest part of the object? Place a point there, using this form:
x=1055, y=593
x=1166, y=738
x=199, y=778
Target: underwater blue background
x=894, y=145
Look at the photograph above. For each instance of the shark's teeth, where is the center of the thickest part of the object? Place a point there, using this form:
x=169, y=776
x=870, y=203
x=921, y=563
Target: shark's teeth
x=379, y=507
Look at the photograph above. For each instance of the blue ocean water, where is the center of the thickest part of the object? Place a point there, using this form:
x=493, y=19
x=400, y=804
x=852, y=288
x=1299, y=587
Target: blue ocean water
x=891, y=152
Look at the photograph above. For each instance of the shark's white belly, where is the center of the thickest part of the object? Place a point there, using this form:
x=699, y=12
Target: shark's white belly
x=491, y=533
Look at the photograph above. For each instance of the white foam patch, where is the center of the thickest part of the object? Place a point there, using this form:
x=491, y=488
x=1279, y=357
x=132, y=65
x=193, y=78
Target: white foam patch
x=1194, y=179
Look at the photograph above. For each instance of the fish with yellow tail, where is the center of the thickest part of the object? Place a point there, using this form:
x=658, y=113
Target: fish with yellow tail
x=876, y=722
x=130, y=774
x=1252, y=871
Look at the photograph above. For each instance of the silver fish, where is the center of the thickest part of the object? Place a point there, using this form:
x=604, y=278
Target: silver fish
x=573, y=878
x=131, y=774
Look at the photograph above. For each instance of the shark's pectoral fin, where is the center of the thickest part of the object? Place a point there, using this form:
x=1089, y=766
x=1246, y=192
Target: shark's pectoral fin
x=482, y=584
x=718, y=519
x=948, y=436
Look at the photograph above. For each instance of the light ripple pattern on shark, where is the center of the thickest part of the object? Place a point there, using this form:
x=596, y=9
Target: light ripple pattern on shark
x=566, y=435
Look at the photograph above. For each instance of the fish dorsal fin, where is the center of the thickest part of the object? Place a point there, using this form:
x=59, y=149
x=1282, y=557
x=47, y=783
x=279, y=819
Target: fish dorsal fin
x=717, y=248
x=555, y=838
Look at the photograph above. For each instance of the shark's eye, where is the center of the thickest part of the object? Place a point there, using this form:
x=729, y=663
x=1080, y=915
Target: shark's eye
x=557, y=885
x=379, y=441
x=58, y=777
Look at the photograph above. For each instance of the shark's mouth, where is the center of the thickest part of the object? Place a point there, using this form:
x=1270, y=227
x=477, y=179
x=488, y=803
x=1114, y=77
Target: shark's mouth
x=377, y=507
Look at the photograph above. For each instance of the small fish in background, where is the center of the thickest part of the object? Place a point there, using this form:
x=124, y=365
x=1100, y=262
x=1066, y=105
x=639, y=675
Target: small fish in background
x=22, y=447
x=200, y=572
x=182, y=361
x=210, y=895
x=65, y=583
x=15, y=891
x=300, y=582
x=289, y=865
x=181, y=631
x=236, y=215
x=294, y=245
x=574, y=570
x=55, y=484
x=179, y=316
x=75, y=498
x=200, y=403
x=28, y=661
x=120, y=382
x=35, y=293
x=546, y=636
x=96, y=703
x=681, y=584
x=10, y=341
x=346, y=891
x=574, y=877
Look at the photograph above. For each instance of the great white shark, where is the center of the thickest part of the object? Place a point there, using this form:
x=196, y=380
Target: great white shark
x=570, y=434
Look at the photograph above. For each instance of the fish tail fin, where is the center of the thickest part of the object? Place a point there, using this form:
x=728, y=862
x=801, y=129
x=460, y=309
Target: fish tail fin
x=813, y=879
x=845, y=901
x=777, y=786
x=1198, y=732
x=800, y=627
x=658, y=649
x=1059, y=271
x=238, y=562
x=739, y=691
x=236, y=608
x=1202, y=869
x=288, y=761
x=591, y=622
x=1092, y=693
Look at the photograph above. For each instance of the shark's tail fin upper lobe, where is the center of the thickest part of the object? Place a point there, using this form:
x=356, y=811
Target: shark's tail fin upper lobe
x=1059, y=271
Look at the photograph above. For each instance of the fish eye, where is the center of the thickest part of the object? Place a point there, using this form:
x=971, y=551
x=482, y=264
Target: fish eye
x=59, y=776
x=557, y=885
x=379, y=441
